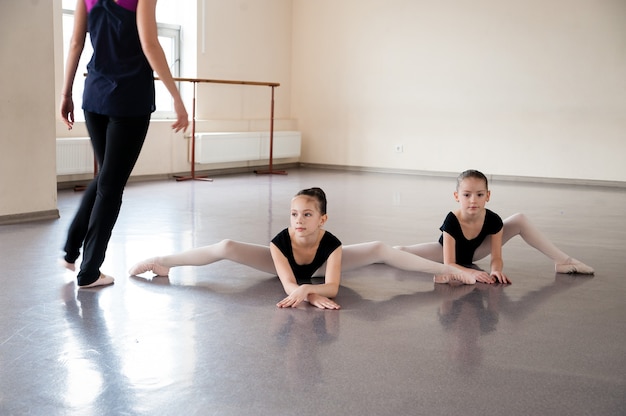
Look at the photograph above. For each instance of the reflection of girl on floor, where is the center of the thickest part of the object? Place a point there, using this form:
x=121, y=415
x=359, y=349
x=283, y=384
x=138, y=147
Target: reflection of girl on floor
x=302, y=333
x=300, y=252
x=473, y=232
x=469, y=312
x=473, y=315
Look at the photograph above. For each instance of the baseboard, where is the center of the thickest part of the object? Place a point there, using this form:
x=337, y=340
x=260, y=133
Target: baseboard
x=80, y=184
x=492, y=178
x=52, y=214
x=242, y=169
x=345, y=168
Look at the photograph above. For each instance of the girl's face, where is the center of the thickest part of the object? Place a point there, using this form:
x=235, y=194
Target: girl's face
x=473, y=195
x=306, y=218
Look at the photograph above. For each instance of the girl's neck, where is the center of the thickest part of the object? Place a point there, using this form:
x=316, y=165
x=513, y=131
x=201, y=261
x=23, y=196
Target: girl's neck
x=309, y=241
x=477, y=216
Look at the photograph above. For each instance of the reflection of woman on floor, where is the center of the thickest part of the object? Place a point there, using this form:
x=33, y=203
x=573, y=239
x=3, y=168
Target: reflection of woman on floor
x=300, y=252
x=95, y=377
x=473, y=232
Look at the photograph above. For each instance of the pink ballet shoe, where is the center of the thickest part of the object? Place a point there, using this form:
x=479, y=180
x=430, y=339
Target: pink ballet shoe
x=453, y=278
x=149, y=265
x=103, y=280
x=573, y=266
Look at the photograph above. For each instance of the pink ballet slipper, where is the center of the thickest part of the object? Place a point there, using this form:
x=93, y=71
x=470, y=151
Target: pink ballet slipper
x=149, y=265
x=103, y=280
x=453, y=278
x=573, y=266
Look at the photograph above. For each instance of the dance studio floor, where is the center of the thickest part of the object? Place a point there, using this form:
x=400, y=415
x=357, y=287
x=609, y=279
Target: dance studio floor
x=210, y=341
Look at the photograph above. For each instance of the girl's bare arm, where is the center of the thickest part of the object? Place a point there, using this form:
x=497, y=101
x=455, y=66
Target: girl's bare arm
x=497, y=264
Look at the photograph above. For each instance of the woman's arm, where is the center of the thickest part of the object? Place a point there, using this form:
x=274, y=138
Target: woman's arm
x=77, y=43
x=316, y=294
x=497, y=264
x=148, y=35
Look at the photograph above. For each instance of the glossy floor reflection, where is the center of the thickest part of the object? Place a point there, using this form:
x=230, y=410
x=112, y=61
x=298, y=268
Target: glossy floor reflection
x=209, y=340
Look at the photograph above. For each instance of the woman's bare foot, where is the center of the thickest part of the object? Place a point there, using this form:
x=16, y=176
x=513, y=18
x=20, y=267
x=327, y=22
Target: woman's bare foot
x=103, y=280
x=69, y=266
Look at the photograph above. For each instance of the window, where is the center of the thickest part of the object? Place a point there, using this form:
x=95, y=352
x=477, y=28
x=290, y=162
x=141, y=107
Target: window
x=169, y=37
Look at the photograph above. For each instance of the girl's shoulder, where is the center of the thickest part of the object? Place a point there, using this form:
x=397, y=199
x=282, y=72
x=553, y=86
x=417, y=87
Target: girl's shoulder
x=489, y=214
x=452, y=217
x=493, y=221
x=282, y=237
x=329, y=239
x=451, y=223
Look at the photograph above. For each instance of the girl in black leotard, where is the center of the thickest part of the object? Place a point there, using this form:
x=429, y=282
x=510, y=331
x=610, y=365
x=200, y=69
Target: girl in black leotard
x=472, y=232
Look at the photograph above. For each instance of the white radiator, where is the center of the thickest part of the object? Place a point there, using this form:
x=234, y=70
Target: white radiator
x=245, y=146
x=74, y=156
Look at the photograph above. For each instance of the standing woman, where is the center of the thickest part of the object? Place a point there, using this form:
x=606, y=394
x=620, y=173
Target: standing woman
x=117, y=101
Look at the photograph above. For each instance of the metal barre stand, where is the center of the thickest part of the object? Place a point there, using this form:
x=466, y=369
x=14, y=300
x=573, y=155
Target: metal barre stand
x=195, y=82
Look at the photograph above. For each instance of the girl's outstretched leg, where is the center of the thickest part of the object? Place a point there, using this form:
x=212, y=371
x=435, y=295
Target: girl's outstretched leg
x=518, y=224
x=359, y=255
x=251, y=255
x=434, y=251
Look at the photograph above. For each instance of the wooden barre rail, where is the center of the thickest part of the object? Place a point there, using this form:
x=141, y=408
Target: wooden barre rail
x=195, y=82
x=223, y=81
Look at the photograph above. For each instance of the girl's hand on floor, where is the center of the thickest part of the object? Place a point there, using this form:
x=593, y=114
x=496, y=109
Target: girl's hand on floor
x=323, y=302
x=500, y=277
x=483, y=277
x=294, y=298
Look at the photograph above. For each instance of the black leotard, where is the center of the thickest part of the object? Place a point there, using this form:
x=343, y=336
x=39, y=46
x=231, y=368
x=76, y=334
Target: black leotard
x=464, y=248
x=304, y=272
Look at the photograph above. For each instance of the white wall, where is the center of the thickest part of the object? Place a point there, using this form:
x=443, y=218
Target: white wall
x=529, y=88
x=244, y=40
x=27, y=111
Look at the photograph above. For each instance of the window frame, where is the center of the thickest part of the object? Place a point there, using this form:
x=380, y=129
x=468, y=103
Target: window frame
x=171, y=31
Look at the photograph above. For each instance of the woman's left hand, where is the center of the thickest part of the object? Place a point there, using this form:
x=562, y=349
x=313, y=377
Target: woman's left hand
x=182, y=118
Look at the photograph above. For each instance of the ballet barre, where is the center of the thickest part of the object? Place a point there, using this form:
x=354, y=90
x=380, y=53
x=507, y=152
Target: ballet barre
x=195, y=82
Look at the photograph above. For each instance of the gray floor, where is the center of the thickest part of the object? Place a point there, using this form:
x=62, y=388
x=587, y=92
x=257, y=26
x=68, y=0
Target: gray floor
x=209, y=341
